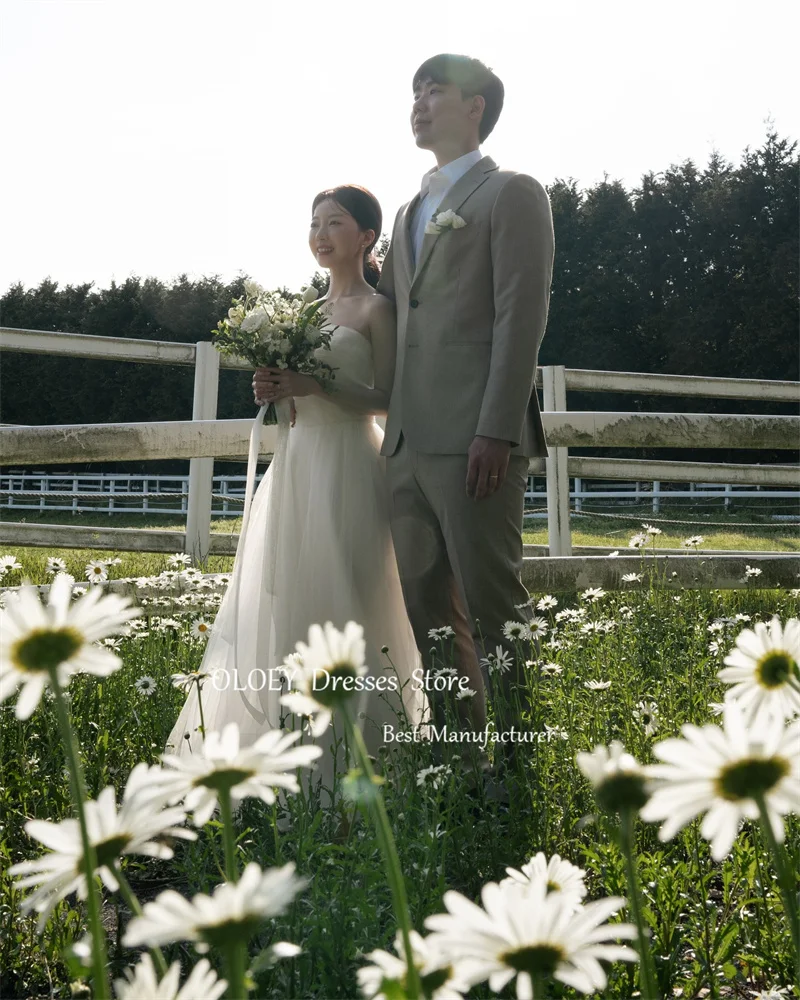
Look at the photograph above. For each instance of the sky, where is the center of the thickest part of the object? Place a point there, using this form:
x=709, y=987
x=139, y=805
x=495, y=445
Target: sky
x=169, y=137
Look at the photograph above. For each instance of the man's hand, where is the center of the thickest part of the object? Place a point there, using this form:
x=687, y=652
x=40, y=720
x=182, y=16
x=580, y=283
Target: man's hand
x=487, y=466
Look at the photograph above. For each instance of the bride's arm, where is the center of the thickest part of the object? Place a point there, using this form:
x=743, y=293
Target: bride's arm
x=360, y=398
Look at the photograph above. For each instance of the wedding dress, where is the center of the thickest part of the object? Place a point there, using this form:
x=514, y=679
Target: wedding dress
x=318, y=548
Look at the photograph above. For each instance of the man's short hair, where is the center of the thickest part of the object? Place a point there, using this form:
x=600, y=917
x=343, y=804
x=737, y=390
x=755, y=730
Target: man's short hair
x=473, y=77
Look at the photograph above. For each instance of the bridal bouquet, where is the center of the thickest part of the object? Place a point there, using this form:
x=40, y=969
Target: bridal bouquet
x=272, y=330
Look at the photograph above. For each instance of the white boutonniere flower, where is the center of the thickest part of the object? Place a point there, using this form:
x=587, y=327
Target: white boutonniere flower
x=443, y=221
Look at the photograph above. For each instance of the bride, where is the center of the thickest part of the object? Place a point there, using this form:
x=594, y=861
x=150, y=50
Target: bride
x=319, y=545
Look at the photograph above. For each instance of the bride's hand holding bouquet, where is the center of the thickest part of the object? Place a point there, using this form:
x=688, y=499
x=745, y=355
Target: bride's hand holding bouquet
x=279, y=336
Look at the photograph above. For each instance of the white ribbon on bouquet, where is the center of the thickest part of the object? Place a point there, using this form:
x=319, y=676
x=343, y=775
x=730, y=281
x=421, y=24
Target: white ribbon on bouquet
x=282, y=408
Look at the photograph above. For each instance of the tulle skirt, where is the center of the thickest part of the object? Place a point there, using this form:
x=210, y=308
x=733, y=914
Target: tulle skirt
x=317, y=549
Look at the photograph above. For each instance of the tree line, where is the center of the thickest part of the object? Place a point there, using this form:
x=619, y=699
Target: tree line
x=695, y=272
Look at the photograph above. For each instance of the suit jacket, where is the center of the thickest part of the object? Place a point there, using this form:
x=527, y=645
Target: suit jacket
x=471, y=316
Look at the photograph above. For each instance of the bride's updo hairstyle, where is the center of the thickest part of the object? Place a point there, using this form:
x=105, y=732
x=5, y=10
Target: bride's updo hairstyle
x=365, y=209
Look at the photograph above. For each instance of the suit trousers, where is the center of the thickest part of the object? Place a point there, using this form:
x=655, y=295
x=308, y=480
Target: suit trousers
x=460, y=561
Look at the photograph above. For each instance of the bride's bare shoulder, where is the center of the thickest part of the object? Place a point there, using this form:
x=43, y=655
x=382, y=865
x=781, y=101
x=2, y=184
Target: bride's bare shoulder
x=380, y=307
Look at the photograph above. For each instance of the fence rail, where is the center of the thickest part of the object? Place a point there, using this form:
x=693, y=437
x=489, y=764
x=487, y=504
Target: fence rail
x=203, y=438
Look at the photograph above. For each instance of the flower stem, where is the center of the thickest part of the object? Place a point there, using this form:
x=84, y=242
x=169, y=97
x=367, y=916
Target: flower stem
x=78, y=786
x=647, y=974
x=235, y=962
x=200, y=707
x=709, y=956
x=136, y=908
x=784, y=880
x=386, y=841
x=538, y=988
x=226, y=810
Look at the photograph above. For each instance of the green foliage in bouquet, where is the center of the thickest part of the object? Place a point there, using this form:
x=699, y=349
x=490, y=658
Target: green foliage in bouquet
x=275, y=330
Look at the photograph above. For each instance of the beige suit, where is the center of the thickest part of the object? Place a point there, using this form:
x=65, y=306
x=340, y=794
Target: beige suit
x=470, y=318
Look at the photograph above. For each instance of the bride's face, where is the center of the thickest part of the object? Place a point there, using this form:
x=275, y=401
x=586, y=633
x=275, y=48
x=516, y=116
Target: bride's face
x=334, y=236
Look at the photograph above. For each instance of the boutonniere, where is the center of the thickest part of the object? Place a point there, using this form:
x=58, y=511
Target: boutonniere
x=443, y=221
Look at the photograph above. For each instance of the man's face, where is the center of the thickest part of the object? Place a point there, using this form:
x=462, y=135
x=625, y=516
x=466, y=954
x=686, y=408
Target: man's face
x=440, y=114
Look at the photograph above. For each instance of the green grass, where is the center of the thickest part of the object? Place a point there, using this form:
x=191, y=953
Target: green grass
x=767, y=537
x=711, y=922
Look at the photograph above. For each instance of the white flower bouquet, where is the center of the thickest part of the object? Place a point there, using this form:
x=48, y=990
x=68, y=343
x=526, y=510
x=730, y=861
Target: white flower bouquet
x=272, y=330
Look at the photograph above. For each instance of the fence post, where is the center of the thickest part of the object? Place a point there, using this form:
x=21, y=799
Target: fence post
x=554, y=394
x=201, y=470
x=656, y=496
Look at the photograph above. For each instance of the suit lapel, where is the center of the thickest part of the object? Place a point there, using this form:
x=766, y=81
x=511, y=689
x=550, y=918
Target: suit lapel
x=406, y=252
x=453, y=200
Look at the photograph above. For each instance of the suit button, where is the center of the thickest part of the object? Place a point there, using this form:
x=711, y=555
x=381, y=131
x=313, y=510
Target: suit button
x=414, y=303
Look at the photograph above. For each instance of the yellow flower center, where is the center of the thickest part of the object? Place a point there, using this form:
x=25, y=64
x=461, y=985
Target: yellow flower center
x=44, y=649
x=225, y=778
x=749, y=777
x=329, y=688
x=536, y=959
x=775, y=668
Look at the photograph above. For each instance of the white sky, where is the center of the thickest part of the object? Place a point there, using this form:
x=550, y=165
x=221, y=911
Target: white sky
x=156, y=138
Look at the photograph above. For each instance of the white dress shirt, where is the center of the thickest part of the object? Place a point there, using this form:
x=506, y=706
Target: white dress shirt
x=435, y=185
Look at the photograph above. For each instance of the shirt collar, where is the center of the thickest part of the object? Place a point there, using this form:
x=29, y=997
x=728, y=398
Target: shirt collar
x=447, y=175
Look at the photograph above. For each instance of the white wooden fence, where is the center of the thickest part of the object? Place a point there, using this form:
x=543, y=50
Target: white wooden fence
x=136, y=493
x=203, y=438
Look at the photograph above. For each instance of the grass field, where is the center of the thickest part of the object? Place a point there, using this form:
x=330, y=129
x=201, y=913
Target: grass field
x=718, y=928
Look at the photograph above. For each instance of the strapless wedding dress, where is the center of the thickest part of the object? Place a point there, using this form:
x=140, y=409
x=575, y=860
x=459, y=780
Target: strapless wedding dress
x=318, y=548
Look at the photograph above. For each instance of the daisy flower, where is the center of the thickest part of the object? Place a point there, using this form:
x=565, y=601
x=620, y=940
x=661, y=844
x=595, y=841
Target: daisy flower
x=8, y=564
x=138, y=827
x=387, y=976
x=498, y=662
x=516, y=631
x=201, y=628
x=694, y=542
x=142, y=983
x=617, y=778
x=558, y=875
x=632, y=577
x=551, y=668
x=593, y=594
x=646, y=712
x=55, y=565
x=637, y=541
x=233, y=913
x=597, y=685
x=445, y=632
x=179, y=559
x=614, y=554
x=331, y=663
x=764, y=670
x=96, y=571
x=253, y=771
x=38, y=641
x=466, y=692
x=546, y=603
x=435, y=776
x=184, y=681
x=146, y=685
x=719, y=772
x=524, y=932
x=651, y=529
x=751, y=571
x=537, y=627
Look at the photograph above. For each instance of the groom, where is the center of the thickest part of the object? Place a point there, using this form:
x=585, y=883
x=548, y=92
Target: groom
x=469, y=269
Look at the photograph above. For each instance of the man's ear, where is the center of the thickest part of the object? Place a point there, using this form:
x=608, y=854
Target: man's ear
x=478, y=107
